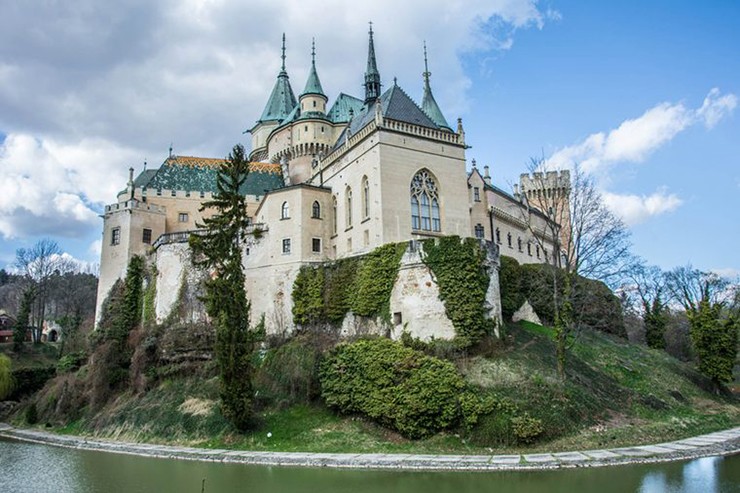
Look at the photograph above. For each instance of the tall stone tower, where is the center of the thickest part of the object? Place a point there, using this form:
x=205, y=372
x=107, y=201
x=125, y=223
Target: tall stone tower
x=550, y=193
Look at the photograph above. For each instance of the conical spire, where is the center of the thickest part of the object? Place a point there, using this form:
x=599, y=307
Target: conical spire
x=428, y=104
x=372, y=76
x=313, y=84
x=282, y=100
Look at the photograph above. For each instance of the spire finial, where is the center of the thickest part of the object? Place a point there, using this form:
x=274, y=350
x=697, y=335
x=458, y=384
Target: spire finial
x=283, y=55
x=426, y=73
x=170, y=149
x=372, y=76
x=313, y=51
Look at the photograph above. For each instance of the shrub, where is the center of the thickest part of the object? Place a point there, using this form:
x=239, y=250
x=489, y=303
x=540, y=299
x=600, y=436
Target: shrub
x=526, y=428
x=70, y=362
x=31, y=415
x=394, y=385
x=29, y=380
x=289, y=374
x=6, y=377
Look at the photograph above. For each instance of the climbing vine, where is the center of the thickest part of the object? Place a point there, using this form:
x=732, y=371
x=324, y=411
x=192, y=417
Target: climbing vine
x=325, y=293
x=458, y=266
x=150, y=293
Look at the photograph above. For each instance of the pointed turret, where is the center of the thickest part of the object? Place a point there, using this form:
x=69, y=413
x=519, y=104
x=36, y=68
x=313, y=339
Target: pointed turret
x=313, y=84
x=428, y=104
x=282, y=100
x=372, y=76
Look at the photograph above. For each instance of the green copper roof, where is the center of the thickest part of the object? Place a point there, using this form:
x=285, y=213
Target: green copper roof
x=339, y=112
x=428, y=104
x=313, y=84
x=195, y=174
x=282, y=100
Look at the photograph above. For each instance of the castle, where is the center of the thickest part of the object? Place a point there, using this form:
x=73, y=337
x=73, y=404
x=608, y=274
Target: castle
x=327, y=184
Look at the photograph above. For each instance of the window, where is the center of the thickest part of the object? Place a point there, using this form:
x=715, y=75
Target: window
x=182, y=217
x=519, y=243
x=146, y=236
x=425, y=214
x=334, y=213
x=529, y=249
x=115, y=236
x=286, y=246
x=159, y=191
x=316, y=245
x=349, y=207
x=508, y=239
x=349, y=244
x=316, y=210
x=173, y=193
x=397, y=318
x=365, y=198
x=314, y=103
x=285, y=211
x=498, y=236
x=537, y=249
x=476, y=194
x=479, y=231
x=202, y=194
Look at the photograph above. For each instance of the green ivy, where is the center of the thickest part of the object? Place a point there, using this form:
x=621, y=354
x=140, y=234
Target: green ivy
x=459, y=268
x=326, y=292
x=150, y=294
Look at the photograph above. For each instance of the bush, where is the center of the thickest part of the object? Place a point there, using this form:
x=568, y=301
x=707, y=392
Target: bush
x=29, y=380
x=526, y=428
x=6, y=377
x=397, y=386
x=31, y=415
x=289, y=374
x=71, y=362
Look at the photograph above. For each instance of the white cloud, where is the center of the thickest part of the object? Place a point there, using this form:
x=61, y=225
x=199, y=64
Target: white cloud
x=91, y=88
x=635, y=139
x=634, y=209
x=727, y=272
x=52, y=188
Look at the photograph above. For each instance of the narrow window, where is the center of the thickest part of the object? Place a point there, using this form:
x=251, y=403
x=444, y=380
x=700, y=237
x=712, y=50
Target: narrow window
x=519, y=243
x=146, y=236
x=537, y=249
x=314, y=103
x=476, y=194
x=529, y=249
x=202, y=194
x=498, y=236
x=182, y=217
x=159, y=191
x=508, y=239
x=316, y=245
x=316, y=210
x=349, y=207
x=115, y=236
x=285, y=211
x=479, y=231
x=365, y=198
x=286, y=246
x=173, y=193
x=334, y=213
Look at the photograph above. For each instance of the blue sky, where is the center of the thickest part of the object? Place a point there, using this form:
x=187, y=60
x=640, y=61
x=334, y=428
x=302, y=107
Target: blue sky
x=643, y=94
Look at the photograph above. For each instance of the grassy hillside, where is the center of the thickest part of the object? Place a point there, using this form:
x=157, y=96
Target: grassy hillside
x=617, y=394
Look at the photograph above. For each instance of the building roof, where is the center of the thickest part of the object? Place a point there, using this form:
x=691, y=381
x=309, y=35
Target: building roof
x=428, y=103
x=340, y=110
x=282, y=100
x=194, y=174
x=313, y=84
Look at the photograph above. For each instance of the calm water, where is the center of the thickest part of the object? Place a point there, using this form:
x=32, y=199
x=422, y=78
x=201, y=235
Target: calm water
x=40, y=468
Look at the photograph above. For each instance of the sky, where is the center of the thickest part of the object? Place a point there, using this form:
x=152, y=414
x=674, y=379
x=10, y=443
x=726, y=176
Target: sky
x=641, y=95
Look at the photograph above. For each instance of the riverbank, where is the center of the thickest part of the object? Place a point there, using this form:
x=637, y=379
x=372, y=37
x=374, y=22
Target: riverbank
x=726, y=442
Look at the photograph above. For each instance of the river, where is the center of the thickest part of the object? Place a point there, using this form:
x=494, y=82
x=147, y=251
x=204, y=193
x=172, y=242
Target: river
x=33, y=468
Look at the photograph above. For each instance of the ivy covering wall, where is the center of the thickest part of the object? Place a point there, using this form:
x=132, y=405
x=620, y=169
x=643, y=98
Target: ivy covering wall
x=459, y=268
x=326, y=293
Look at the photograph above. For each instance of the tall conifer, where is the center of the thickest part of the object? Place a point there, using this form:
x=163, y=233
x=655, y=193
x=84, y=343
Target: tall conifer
x=218, y=249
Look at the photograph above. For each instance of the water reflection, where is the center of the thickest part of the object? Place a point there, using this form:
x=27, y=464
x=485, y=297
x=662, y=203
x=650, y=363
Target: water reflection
x=39, y=468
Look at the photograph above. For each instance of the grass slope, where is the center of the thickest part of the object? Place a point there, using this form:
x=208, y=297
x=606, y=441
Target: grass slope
x=617, y=394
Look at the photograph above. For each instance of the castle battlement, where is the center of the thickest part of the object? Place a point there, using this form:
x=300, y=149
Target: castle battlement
x=134, y=204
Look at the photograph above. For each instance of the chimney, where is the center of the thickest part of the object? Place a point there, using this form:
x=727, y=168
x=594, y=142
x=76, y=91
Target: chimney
x=486, y=175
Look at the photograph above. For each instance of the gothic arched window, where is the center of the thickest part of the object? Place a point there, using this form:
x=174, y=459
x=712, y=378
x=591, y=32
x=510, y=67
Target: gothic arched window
x=365, y=198
x=425, y=214
x=285, y=211
x=316, y=210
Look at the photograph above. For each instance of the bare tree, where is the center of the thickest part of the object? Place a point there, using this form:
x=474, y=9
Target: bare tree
x=39, y=263
x=647, y=291
x=588, y=239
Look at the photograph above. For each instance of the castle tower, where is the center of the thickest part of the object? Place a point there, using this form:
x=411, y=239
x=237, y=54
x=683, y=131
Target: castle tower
x=313, y=99
x=428, y=103
x=550, y=193
x=278, y=107
x=372, y=75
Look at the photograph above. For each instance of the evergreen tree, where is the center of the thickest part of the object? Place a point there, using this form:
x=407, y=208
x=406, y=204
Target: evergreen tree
x=656, y=321
x=24, y=313
x=218, y=249
x=714, y=340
